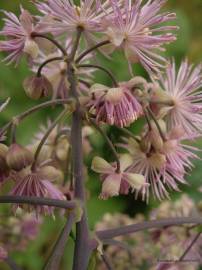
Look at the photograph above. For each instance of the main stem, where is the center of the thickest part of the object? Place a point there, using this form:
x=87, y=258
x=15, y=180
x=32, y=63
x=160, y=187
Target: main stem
x=81, y=251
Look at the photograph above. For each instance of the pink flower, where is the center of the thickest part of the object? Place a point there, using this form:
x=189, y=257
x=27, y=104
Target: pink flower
x=164, y=164
x=115, y=183
x=35, y=184
x=137, y=29
x=115, y=106
x=67, y=17
x=19, y=36
x=183, y=91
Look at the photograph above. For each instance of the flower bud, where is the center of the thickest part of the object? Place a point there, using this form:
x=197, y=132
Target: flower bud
x=4, y=169
x=18, y=157
x=37, y=87
x=31, y=48
x=52, y=173
x=100, y=165
x=62, y=149
x=156, y=140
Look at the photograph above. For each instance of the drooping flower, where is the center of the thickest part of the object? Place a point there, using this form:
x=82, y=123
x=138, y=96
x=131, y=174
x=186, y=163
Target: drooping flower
x=37, y=185
x=182, y=89
x=138, y=29
x=37, y=86
x=18, y=33
x=113, y=182
x=163, y=163
x=115, y=106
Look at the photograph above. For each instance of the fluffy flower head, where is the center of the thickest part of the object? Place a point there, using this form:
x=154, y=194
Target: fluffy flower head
x=182, y=91
x=18, y=32
x=115, y=106
x=138, y=29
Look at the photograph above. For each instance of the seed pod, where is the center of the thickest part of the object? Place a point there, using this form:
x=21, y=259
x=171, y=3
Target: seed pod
x=37, y=87
x=18, y=157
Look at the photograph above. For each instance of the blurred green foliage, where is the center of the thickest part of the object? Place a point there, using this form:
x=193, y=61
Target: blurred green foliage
x=188, y=44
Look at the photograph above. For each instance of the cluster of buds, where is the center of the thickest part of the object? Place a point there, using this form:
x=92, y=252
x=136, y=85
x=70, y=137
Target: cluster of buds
x=17, y=232
x=166, y=244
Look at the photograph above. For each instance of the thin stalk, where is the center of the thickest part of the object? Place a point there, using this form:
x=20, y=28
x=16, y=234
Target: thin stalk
x=38, y=201
x=81, y=250
x=47, y=62
x=76, y=44
x=106, y=262
x=17, y=119
x=57, y=44
x=108, y=72
x=45, y=137
x=53, y=262
x=147, y=119
x=13, y=133
x=110, y=144
x=156, y=123
x=68, y=160
x=190, y=246
x=108, y=234
x=98, y=45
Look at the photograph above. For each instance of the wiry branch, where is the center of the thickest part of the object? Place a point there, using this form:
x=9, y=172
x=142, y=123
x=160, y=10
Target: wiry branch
x=53, y=262
x=108, y=234
x=38, y=201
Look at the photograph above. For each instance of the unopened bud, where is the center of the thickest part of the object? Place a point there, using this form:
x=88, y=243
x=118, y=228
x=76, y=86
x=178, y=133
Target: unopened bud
x=37, y=87
x=100, y=165
x=52, y=173
x=62, y=149
x=31, y=48
x=4, y=169
x=18, y=157
x=156, y=140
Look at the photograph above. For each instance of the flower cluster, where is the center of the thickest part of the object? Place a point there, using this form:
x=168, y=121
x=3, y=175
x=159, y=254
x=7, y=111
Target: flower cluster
x=17, y=232
x=170, y=103
x=61, y=45
x=167, y=244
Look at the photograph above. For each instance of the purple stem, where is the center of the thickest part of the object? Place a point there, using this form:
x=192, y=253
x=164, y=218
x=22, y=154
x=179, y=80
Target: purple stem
x=108, y=234
x=82, y=250
x=54, y=260
x=38, y=201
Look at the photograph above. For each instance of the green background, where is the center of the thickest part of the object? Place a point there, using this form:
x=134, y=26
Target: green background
x=188, y=44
